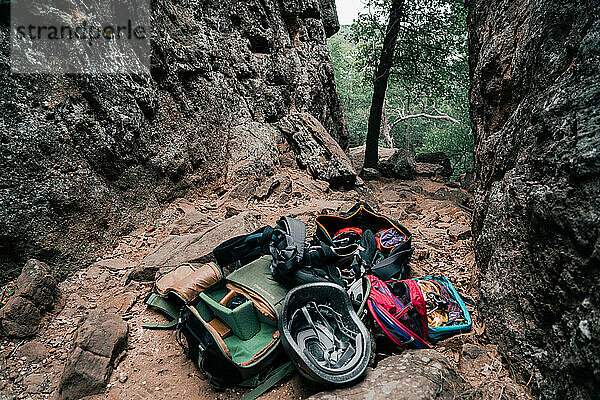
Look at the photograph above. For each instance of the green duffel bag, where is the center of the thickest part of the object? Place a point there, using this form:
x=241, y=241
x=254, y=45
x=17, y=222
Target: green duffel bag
x=229, y=325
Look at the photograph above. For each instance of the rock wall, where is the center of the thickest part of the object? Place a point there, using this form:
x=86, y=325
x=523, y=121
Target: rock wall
x=535, y=109
x=84, y=159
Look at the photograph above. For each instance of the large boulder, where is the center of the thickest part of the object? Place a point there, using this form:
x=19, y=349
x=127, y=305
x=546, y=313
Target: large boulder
x=437, y=158
x=197, y=247
x=413, y=375
x=317, y=151
x=101, y=337
x=190, y=220
x=401, y=164
x=393, y=163
x=357, y=155
x=535, y=108
x=429, y=170
x=79, y=169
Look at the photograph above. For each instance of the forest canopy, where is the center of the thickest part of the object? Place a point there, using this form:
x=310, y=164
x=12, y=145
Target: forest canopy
x=426, y=105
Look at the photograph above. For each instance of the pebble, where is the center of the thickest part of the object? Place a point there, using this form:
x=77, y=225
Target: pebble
x=123, y=377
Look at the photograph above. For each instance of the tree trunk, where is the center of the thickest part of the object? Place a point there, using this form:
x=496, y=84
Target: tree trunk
x=381, y=81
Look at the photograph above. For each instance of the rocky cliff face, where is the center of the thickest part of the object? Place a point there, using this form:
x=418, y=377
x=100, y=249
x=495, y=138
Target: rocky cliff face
x=535, y=108
x=84, y=159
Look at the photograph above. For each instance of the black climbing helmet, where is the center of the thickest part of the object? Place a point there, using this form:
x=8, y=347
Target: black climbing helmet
x=321, y=333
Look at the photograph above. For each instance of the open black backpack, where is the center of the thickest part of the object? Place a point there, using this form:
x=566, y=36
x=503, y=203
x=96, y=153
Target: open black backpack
x=344, y=249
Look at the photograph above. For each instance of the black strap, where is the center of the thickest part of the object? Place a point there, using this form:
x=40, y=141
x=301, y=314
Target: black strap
x=388, y=267
x=275, y=376
x=244, y=248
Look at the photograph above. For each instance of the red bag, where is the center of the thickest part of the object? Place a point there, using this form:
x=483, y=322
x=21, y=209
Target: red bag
x=398, y=307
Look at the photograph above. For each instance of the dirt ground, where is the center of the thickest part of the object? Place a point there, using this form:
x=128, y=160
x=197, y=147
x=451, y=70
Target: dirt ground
x=155, y=367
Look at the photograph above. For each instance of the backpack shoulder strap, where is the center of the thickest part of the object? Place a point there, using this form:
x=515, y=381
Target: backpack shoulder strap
x=387, y=268
x=275, y=376
x=244, y=248
x=168, y=308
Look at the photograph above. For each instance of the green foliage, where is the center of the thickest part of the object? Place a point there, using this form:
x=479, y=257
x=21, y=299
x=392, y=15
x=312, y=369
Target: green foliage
x=429, y=76
x=355, y=93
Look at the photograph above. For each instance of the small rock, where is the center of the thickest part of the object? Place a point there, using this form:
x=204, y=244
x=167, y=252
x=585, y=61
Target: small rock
x=36, y=291
x=102, y=333
x=264, y=190
x=370, y=174
x=141, y=273
x=233, y=208
x=33, y=351
x=470, y=350
x=421, y=254
x=287, y=159
x=123, y=377
x=19, y=318
x=33, y=383
x=38, y=284
x=100, y=339
x=459, y=232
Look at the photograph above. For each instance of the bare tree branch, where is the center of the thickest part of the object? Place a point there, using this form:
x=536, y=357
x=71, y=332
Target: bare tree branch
x=440, y=116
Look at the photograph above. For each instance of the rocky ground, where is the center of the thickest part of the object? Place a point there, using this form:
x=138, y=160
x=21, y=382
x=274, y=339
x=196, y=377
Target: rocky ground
x=154, y=366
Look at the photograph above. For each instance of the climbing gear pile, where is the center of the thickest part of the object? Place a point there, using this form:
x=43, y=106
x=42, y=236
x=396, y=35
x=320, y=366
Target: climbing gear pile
x=298, y=301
